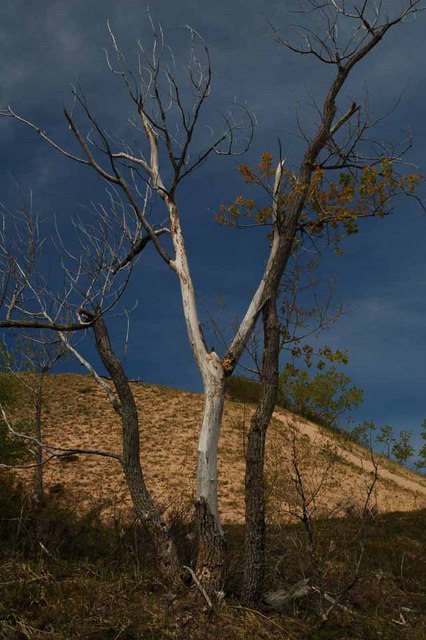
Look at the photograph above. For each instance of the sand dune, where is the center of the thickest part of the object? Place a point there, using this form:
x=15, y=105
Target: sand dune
x=77, y=414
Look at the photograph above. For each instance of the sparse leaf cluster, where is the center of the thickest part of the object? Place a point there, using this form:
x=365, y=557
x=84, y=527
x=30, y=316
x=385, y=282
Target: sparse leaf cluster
x=394, y=446
x=334, y=203
x=323, y=397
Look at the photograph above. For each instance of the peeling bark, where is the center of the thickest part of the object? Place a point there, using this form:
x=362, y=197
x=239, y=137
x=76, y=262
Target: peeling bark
x=210, y=563
x=210, y=566
x=208, y=442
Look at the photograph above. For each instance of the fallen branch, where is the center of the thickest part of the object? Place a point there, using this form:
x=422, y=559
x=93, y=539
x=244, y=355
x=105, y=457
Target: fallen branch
x=199, y=586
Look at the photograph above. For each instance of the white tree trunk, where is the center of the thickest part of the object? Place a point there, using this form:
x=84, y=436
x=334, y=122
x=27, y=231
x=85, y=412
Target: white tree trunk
x=214, y=389
x=212, y=374
x=210, y=564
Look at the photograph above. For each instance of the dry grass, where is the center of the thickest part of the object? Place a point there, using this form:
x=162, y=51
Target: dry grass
x=63, y=576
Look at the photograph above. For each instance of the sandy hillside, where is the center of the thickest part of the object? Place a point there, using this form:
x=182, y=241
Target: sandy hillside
x=337, y=474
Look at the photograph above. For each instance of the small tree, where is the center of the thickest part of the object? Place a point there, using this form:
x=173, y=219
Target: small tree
x=386, y=438
x=363, y=433
x=303, y=478
x=28, y=364
x=399, y=448
x=92, y=288
x=323, y=397
x=421, y=462
x=402, y=449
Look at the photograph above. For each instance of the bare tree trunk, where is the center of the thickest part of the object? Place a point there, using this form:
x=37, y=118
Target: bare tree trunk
x=38, y=470
x=255, y=533
x=210, y=567
x=144, y=506
x=210, y=562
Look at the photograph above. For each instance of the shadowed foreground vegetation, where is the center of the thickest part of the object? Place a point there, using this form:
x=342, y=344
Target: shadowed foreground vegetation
x=64, y=576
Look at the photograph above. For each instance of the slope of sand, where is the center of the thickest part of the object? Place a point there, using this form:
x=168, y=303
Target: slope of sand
x=337, y=474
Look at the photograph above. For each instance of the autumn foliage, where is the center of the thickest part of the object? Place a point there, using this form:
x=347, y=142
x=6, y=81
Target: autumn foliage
x=335, y=201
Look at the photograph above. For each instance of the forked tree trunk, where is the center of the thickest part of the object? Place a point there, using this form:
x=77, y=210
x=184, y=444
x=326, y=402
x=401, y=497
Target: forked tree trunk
x=145, y=508
x=210, y=566
x=255, y=532
x=210, y=561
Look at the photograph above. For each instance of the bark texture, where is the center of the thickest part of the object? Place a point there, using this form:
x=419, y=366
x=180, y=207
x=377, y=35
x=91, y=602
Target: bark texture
x=210, y=568
x=210, y=562
x=144, y=506
x=255, y=532
x=210, y=565
x=214, y=399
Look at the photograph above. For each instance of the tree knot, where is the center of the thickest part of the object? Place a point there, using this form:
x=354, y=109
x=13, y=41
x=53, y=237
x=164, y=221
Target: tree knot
x=228, y=364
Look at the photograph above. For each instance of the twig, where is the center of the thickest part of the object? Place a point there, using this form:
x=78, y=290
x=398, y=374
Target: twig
x=199, y=586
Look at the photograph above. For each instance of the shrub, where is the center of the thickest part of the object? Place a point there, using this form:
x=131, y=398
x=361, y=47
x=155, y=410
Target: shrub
x=241, y=389
x=323, y=397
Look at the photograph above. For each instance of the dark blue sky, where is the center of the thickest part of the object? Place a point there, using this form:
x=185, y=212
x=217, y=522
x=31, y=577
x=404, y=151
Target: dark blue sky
x=381, y=277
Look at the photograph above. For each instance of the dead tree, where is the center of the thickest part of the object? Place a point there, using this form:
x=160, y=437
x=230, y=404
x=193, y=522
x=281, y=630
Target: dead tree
x=92, y=289
x=159, y=112
x=29, y=363
x=167, y=117
x=304, y=471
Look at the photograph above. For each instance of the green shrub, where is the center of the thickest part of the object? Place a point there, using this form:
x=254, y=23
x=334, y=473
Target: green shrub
x=241, y=389
x=323, y=397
